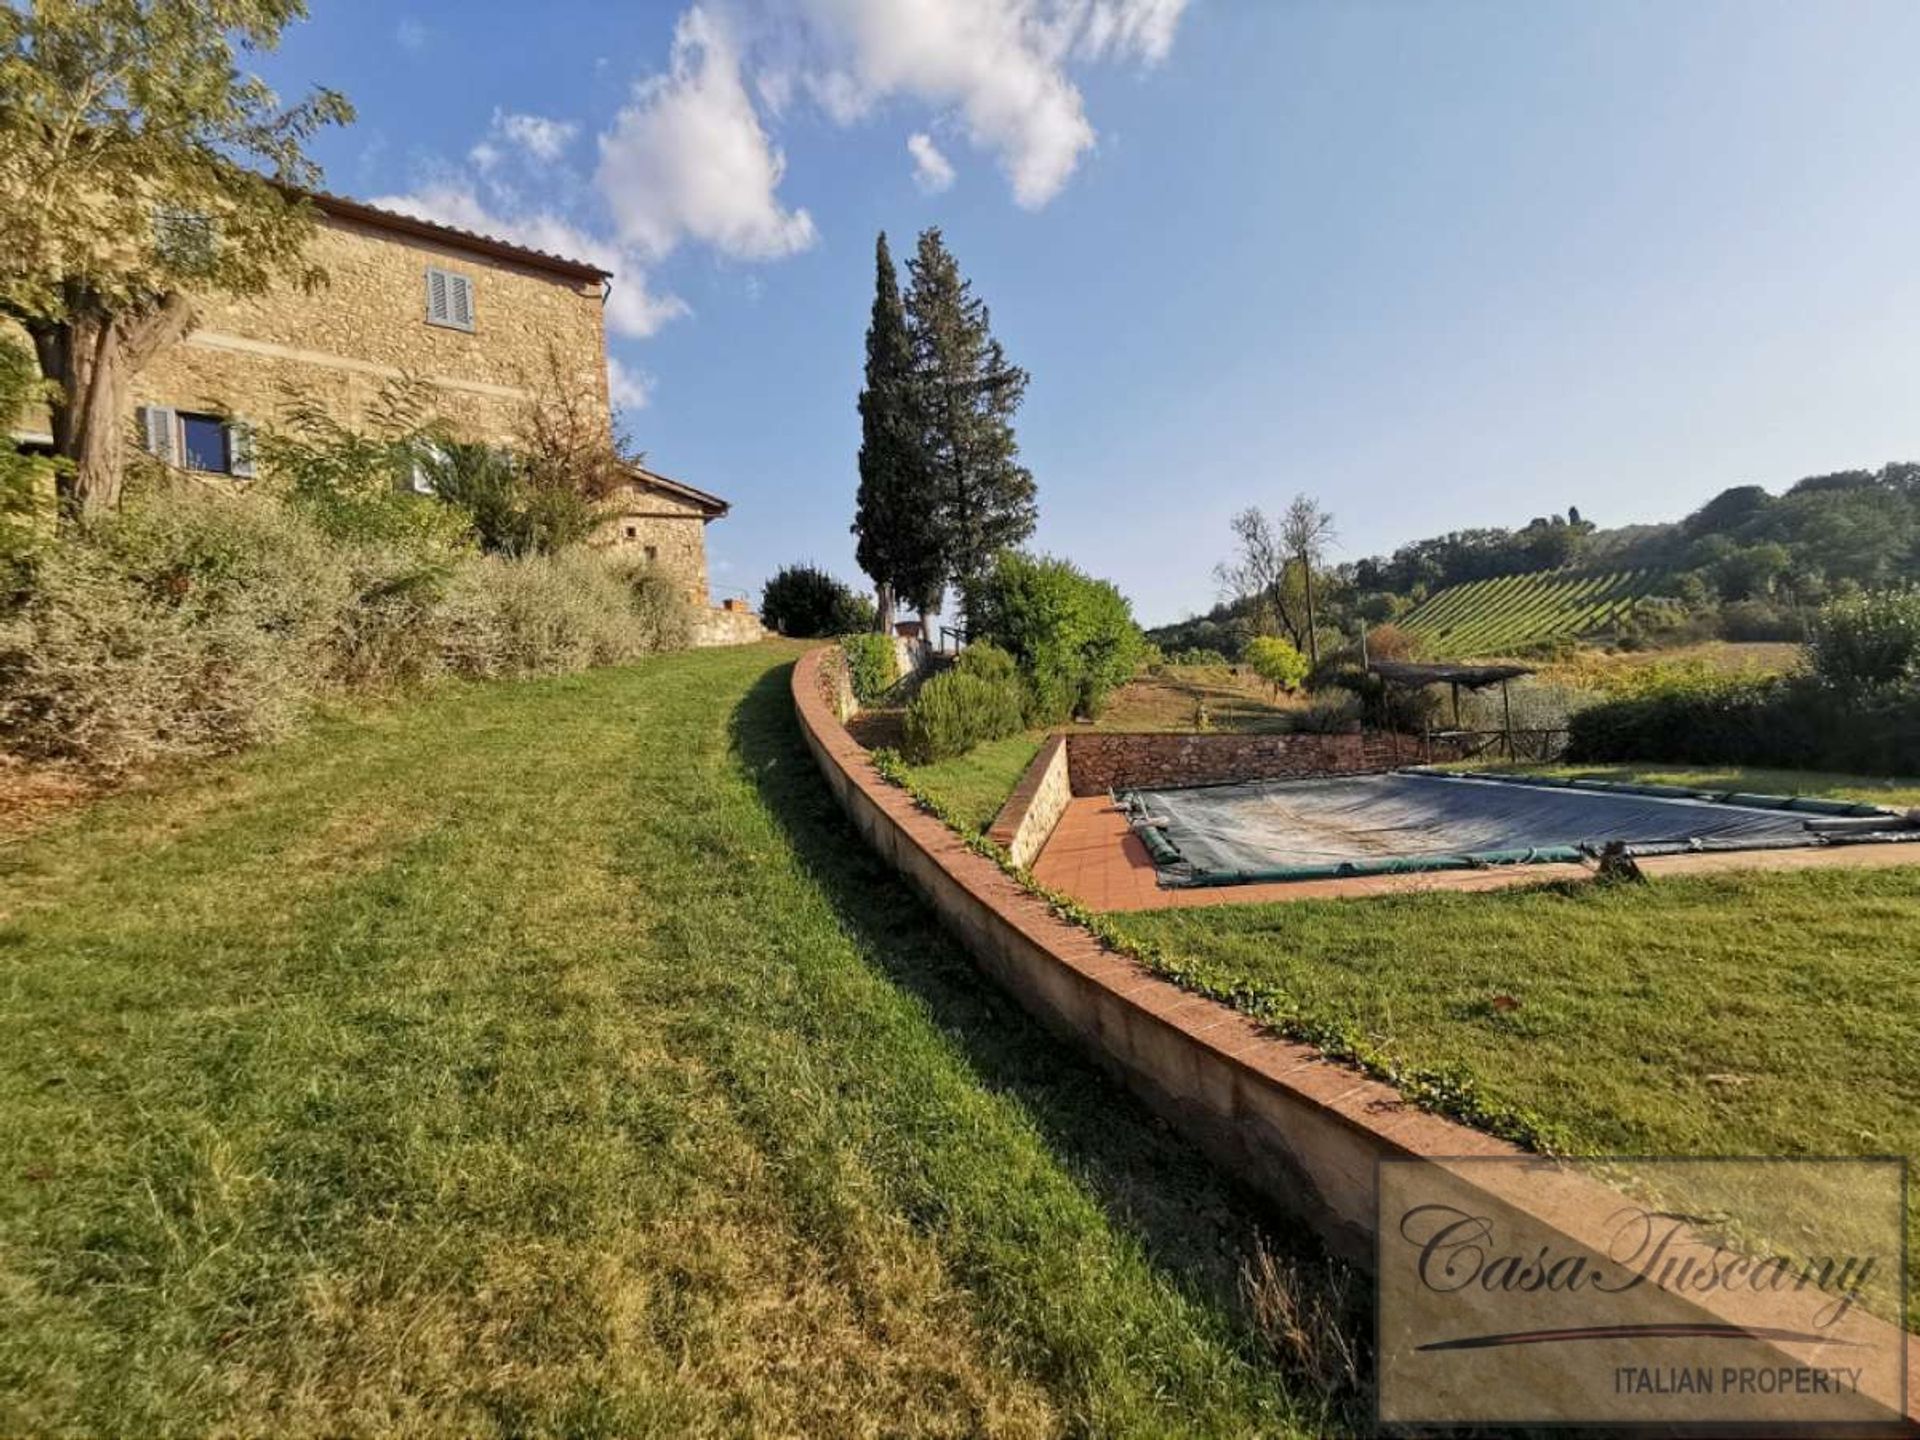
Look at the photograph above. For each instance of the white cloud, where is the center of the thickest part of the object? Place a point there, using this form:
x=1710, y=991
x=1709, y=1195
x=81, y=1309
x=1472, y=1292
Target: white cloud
x=411, y=35
x=932, y=171
x=687, y=159
x=540, y=137
x=484, y=156
x=632, y=308
x=630, y=389
x=1121, y=28
x=999, y=65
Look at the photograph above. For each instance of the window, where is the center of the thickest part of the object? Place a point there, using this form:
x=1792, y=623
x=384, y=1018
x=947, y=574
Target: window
x=652, y=553
x=449, y=299
x=203, y=443
x=210, y=443
x=632, y=532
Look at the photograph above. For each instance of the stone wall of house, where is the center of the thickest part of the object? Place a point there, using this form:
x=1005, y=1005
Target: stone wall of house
x=345, y=343
x=367, y=326
x=669, y=531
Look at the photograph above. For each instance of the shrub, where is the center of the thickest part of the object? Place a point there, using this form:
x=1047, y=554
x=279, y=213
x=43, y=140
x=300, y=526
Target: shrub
x=1536, y=703
x=193, y=622
x=988, y=661
x=1072, y=636
x=663, y=615
x=515, y=508
x=1866, y=642
x=1791, y=722
x=956, y=711
x=1760, y=620
x=872, y=665
x=539, y=614
x=1276, y=661
x=1331, y=714
x=186, y=624
x=805, y=602
x=1388, y=641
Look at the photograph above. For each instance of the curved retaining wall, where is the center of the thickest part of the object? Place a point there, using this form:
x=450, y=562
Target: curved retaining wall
x=1301, y=1130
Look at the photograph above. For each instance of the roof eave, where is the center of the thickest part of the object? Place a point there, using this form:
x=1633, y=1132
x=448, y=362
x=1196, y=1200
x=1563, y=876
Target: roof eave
x=340, y=207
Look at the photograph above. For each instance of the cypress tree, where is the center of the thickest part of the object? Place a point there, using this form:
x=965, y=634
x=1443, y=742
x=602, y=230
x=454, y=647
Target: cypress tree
x=983, y=495
x=896, y=520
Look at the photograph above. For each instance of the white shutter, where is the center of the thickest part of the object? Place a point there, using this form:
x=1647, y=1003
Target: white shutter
x=420, y=480
x=240, y=449
x=157, y=427
x=436, y=296
x=460, y=301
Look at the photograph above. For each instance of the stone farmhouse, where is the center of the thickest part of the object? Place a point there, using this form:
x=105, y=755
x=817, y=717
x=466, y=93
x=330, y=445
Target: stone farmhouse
x=483, y=322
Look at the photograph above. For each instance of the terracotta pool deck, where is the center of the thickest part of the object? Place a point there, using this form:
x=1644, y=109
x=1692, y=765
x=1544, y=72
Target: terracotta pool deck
x=1094, y=857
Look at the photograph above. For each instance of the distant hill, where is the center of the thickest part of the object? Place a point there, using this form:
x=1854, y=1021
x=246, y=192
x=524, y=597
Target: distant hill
x=1747, y=565
x=1513, y=612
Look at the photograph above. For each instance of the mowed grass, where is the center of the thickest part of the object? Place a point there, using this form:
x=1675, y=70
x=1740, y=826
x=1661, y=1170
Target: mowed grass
x=1748, y=1014
x=1895, y=794
x=553, y=1057
x=975, y=785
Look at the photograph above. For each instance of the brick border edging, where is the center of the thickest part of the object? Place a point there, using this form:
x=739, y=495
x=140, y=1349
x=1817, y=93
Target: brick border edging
x=1301, y=1130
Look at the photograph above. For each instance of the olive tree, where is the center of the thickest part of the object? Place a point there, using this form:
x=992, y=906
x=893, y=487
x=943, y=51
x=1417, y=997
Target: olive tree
x=140, y=166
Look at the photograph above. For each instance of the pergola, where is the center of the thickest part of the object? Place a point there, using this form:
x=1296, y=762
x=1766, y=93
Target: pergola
x=1417, y=675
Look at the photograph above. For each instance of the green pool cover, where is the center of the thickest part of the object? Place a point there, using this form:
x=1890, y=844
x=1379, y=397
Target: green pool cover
x=1435, y=820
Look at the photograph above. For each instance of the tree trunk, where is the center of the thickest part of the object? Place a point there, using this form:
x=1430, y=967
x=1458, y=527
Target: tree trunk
x=90, y=356
x=1313, y=640
x=883, y=602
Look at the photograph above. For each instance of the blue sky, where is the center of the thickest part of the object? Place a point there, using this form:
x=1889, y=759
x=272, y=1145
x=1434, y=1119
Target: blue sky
x=1439, y=264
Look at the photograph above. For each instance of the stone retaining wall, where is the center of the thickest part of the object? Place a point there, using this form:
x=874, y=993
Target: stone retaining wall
x=1104, y=761
x=1027, y=819
x=1100, y=762
x=726, y=625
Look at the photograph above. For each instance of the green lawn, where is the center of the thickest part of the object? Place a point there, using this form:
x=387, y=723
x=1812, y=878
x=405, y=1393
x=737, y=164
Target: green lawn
x=553, y=1057
x=1762, y=1014
x=975, y=785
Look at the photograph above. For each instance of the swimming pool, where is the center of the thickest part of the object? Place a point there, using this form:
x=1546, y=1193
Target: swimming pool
x=1409, y=820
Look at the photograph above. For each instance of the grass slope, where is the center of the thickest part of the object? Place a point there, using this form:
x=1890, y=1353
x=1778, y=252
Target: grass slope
x=553, y=1056
x=1489, y=617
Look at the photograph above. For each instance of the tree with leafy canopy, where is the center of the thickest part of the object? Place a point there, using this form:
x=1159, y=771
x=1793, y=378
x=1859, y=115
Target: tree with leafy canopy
x=896, y=517
x=140, y=166
x=970, y=393
x=1276, y=661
